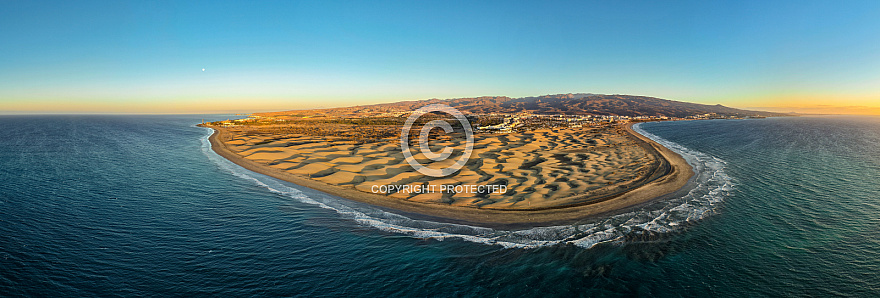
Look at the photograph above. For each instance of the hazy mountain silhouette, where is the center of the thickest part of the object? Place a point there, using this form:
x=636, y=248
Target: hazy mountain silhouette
x=570, y=104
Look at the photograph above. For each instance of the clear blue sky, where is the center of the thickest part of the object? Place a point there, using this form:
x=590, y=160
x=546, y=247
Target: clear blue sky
x=120, y=56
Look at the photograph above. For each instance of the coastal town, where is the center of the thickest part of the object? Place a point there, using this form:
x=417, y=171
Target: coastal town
x=483, y=123
x=489, y=114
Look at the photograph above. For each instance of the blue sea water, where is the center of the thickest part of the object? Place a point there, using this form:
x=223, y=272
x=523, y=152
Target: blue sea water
x=140, y=205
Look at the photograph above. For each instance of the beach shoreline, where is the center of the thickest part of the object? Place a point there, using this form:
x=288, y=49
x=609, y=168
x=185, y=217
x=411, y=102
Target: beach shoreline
x=671, y=176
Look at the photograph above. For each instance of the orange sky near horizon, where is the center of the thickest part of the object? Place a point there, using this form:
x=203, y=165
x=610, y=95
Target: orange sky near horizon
x=823, y=109
x=788, y=104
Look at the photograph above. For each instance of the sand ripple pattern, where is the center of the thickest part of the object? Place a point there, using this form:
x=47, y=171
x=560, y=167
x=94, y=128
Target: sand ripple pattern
x=711, y=185
x=543, y=168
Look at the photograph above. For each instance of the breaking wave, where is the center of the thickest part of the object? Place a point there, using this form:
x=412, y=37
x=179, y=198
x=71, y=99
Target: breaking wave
x=711, y=185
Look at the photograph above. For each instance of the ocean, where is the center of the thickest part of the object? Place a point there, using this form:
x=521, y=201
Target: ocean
x=98, y=205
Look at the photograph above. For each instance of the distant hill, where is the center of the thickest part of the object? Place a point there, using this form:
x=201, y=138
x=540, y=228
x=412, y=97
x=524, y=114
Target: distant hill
x=570, y=104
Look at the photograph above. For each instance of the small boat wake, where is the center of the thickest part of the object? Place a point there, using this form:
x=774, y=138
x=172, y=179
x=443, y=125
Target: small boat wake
x=709, y=188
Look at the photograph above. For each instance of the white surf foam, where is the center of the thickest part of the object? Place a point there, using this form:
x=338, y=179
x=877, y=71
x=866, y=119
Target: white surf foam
x=712, y=185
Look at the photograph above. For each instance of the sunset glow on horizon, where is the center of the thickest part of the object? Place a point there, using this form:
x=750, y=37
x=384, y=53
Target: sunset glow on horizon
x=243, y=57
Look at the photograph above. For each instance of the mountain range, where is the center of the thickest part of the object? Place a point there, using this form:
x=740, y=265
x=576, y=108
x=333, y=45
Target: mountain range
x=569, y=104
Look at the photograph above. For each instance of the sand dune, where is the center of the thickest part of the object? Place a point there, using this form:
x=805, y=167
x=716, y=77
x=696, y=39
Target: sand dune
x=542, y=168
x=552, y=176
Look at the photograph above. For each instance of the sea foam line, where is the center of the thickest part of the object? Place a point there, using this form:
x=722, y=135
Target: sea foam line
x=712, y=185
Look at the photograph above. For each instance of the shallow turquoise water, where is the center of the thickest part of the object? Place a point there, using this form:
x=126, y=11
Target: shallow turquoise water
x=138, y=205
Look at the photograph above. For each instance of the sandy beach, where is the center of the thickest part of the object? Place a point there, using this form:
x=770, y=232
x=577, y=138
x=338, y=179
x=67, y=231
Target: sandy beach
x=552, y=176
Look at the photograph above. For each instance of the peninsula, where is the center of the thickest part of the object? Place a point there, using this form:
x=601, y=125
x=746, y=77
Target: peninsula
x=532, y=163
